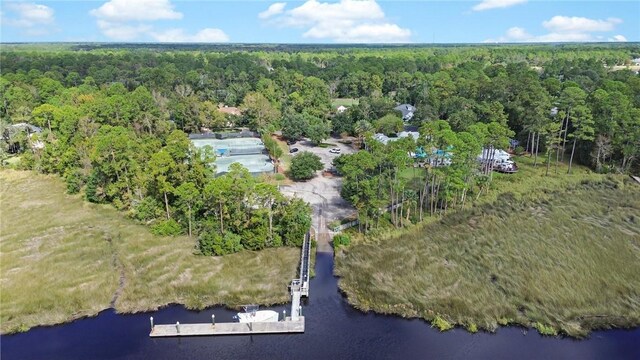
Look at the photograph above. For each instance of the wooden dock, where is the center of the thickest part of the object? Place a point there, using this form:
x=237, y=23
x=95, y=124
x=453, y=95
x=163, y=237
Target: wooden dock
x=305, y=260
x=281, y=327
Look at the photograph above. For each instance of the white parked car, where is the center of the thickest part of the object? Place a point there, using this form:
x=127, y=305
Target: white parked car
x=335, y=151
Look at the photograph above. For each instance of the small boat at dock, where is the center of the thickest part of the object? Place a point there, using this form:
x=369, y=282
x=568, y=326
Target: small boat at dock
x=252, y=314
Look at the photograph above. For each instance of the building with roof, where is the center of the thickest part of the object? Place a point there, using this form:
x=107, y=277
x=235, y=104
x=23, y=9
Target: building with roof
x=414, y=134
x=11, y=132
x=406, y=110
x=229, y=110
x=31, y=129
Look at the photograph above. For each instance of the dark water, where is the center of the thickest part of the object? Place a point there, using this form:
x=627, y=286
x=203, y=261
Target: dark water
x=333, y=331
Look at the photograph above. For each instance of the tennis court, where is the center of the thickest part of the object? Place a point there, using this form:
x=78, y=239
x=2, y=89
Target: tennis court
x=249, y=152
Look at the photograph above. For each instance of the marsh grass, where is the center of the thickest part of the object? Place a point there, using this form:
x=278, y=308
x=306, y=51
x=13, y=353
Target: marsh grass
x=62, y=258
x=558, y=254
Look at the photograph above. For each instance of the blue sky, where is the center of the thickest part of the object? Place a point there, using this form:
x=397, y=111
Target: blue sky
x=319, y=21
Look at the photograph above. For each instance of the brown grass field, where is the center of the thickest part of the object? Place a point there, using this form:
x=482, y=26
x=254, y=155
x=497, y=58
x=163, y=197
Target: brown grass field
x=62, y=258
x=559, y=254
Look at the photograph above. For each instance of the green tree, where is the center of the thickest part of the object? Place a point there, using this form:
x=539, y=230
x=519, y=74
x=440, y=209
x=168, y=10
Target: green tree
x=44, y=116
x=113, y=155
x=389, y=124
x=188, y=197
x=361, y=128
x=570, y=98
x=274, y=149
x=583, y=125
x=305, y=165
x=294, y=125
x=315, y=95
x=210, y=116
x=162, y=168
x=262, y=115
x=295, y=221
x=318, y=130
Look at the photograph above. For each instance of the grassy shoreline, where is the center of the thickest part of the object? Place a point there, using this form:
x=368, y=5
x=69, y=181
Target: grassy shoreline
x=555, y=254
x=62, y=258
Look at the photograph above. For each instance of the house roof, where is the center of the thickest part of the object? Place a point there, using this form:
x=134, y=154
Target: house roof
x=407, y=111
x=230, y=110
x=23, y=126
x=414, y=134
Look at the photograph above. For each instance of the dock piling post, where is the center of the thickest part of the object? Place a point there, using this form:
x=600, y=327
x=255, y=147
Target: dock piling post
x=151, y=319
x=213, y=320
x=284, y=315
x=300, y=311
x=178, y=326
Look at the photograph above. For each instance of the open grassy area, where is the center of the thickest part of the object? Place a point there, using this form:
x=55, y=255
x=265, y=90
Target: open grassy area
x=62, y=258
x=285, y=160
x=344, y=102
x=558, y=253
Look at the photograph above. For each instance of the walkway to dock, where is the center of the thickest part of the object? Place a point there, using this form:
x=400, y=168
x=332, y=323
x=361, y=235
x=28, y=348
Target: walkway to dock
x=305, y=260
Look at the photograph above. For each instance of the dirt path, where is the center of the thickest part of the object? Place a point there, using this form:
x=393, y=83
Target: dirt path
x=117, y=264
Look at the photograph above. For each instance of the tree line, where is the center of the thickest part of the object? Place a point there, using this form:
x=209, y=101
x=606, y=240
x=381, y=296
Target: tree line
x=121, y=147
x=115, y=120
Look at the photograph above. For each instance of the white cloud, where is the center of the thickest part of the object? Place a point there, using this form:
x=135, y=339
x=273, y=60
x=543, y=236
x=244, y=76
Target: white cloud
x=518, y=33
x=383, y=33
x=136, y=10
x=274, y=9
x=495, y=4
x=619, y=38
x=344, y=21
x=34, y=19
x=576, y=24
x=127, y=20
x=207, y=35
x=564, y=29
x=122, y=31
x=313, y=12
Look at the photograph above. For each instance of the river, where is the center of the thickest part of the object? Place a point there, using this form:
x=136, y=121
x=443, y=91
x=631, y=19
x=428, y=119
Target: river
x=334, y=330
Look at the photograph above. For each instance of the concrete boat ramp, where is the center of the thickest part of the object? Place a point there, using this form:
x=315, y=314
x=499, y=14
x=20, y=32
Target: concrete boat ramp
x=289, y=324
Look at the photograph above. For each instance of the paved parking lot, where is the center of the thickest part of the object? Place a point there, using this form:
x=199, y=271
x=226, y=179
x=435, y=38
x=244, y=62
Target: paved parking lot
x=323, y=193
x=324, y=154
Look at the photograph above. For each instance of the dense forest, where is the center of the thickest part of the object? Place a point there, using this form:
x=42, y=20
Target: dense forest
x=115, y=122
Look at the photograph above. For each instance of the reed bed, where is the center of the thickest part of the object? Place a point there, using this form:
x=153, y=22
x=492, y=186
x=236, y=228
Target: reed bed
x=562, y=255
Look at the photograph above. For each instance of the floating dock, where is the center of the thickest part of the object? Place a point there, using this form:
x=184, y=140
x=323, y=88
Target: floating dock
x=290, y=324
x=287, y=326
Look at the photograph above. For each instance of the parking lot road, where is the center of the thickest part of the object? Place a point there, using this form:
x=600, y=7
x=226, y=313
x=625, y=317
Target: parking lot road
x=323, y=193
